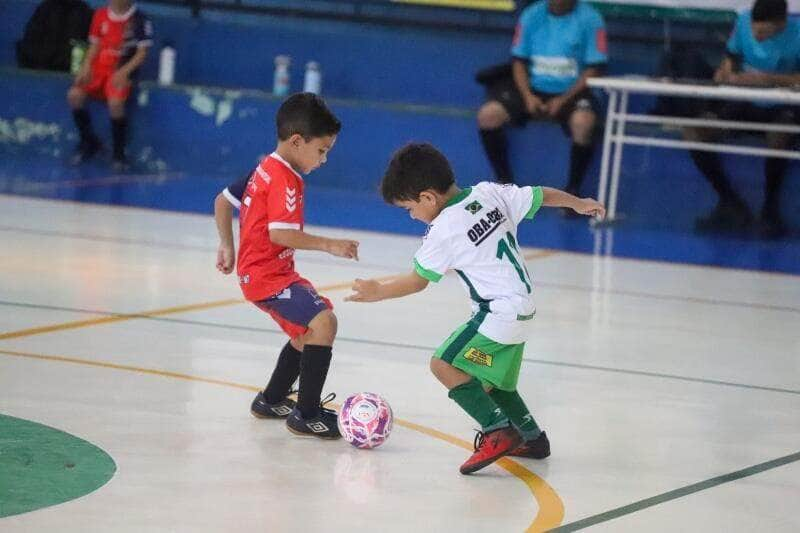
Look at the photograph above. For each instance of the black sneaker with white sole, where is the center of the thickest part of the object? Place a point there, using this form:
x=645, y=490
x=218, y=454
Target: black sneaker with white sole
x=323, y=426
x=260, y=408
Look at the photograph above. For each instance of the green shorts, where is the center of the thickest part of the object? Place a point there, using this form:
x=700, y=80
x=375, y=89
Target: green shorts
x=496, y=365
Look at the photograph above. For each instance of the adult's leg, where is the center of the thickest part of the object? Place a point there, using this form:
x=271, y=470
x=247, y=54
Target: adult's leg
x=492, y=120
x=775, y=169
x=582, y=123
x=710, y=164
x=731, y=212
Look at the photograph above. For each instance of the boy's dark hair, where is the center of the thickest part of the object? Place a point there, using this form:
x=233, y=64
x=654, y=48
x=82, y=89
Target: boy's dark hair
x=414, y=168
x=306, y=114
x=769, y=11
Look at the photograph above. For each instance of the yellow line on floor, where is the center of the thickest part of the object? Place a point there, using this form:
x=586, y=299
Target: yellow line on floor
x=128, y=368
x=551, y=508
x=121, y=317
x=145, y=314
x=116, y=318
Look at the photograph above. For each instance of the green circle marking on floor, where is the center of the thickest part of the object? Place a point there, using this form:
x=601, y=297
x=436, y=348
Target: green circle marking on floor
x=41, y=466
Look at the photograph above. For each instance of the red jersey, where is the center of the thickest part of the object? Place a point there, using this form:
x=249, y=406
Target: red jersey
x=273, y=200
x=119, y=36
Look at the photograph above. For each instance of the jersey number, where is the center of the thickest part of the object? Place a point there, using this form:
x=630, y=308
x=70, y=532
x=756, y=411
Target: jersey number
x=511, y=252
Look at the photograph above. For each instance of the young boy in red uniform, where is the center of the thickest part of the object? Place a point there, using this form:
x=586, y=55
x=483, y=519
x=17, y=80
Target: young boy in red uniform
x=271, y=229
x=119, y=37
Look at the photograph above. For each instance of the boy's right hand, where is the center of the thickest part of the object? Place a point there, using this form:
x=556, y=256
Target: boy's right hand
x=591, y=207
x=343, y=248
x=226, y=258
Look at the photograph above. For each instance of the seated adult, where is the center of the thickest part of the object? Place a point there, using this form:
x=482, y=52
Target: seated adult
x=763, y=50
x=557, y=46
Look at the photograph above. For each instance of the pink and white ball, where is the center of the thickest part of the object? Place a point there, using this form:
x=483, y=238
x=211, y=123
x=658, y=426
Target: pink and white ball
x=365, y=420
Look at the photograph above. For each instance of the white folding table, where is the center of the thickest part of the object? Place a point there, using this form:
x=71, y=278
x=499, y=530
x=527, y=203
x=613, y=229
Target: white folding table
x=617, y=118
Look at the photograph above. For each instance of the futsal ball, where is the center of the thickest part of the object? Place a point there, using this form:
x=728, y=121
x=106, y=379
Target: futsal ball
x=365, y=420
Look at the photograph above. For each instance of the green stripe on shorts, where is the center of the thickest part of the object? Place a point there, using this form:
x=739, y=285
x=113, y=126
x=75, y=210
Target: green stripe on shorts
x=460, y=337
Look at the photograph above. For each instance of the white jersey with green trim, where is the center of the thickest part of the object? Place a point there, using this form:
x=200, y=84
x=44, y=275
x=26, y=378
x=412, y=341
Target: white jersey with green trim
x=476, y=236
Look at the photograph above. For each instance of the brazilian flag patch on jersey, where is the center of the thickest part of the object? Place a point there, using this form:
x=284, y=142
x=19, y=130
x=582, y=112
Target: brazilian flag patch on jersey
x=478, y=357
x=474, y=207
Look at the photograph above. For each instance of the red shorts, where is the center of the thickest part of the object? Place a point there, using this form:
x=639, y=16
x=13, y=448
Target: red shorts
x=101, y=87
x=295, y=307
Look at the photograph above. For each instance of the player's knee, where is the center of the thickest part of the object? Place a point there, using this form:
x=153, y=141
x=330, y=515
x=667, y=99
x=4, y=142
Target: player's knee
x=435, y=366
x=75, y=97
x=778, y=141
x=298, y=343
x=490, y=116
x=116, y=108
x=693, y=134
x=439, y=368
x=698, y=134
x=324, y=326
x=582, y=125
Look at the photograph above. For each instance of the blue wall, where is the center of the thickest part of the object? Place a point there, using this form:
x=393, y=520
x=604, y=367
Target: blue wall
x=359, y=61
x=215, y=135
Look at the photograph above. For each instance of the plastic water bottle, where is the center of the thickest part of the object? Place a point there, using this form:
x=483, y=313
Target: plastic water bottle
x=166, y=65
x=77, y=54
x=313, y=79
x=280, y=82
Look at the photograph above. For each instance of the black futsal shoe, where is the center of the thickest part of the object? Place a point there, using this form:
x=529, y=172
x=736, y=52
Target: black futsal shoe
x=323, y=425
x=537, y=448
x=260, y=408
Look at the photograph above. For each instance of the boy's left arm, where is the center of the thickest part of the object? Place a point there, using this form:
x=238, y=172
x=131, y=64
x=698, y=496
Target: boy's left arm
x=585, y=206
x=143, y=33
x=370, y=290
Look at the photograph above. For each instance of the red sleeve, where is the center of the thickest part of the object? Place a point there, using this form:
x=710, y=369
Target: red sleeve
x=284, y=205
x=94, y=29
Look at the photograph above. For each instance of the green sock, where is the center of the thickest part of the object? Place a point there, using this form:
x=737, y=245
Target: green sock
x=471, y=397
x=514, y=408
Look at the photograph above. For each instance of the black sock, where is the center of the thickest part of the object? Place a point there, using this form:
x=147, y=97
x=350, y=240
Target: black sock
x=84, y=123
x=286, y=371
x=314, y=364
x=119, y=132
x=580, y=157
x=496, y=147
x=774, y=171
x=710, y=165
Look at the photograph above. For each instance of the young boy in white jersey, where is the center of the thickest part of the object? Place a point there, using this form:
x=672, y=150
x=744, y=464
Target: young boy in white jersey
x=473, y=232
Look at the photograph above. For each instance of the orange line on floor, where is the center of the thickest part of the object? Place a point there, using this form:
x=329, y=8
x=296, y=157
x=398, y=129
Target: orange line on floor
x=116, y=318
x=551, y=508
x=121, y=317
x=145, y=314
x=540, y=254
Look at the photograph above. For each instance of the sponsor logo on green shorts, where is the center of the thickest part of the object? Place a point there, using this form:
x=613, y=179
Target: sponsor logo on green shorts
x=478, y=357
